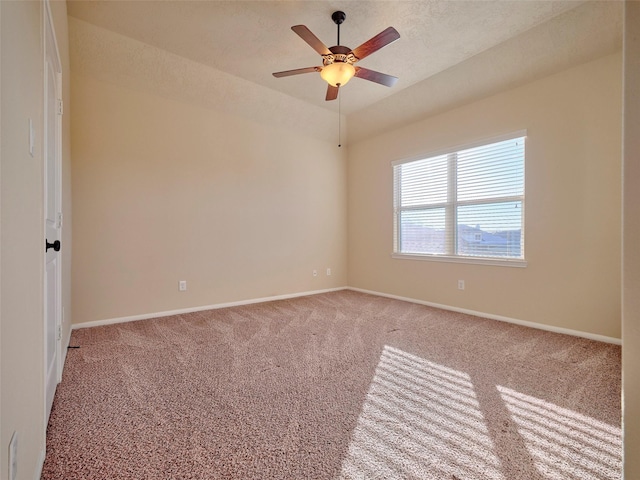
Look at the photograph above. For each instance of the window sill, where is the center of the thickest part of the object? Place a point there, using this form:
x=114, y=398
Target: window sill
x=474, y=260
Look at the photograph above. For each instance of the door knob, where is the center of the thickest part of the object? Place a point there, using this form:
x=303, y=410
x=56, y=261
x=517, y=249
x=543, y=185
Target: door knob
x=55, y=245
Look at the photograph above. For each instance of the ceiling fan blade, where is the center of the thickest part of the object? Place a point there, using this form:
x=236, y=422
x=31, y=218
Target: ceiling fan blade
x=297, y=71
x=332, y=92
x=373, y=76
x=374, y=44
x=311, y=39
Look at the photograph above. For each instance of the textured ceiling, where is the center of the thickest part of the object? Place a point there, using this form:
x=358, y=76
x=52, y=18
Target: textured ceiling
x=253, y=39
x=590, y=31
x=220, y=55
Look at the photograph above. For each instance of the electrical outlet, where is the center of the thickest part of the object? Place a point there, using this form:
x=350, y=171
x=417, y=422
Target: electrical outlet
x=328, y=272
x=460, y=284
x=315, y=273
x=13, y=457
x=182, y=285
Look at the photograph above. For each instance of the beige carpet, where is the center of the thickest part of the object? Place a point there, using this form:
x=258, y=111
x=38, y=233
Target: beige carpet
x=341, y=385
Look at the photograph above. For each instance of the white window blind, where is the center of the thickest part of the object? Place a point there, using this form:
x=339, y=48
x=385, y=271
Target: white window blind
x=464, y=203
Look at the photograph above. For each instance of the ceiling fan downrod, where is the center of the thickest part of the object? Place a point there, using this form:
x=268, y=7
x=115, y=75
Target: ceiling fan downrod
x=338, y=17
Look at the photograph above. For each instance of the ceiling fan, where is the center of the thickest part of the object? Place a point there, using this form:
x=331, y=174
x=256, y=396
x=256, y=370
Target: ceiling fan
x=338, y=60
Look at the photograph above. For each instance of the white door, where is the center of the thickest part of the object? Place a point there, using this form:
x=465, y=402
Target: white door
x=52, y=210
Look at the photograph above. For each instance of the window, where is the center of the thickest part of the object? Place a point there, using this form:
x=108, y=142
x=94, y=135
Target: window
x=466, y=204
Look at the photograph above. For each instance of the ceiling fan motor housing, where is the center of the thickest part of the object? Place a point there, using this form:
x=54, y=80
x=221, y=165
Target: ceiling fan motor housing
x=339, y=53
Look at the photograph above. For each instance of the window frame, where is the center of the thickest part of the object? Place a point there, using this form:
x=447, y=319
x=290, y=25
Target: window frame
x=451, y=204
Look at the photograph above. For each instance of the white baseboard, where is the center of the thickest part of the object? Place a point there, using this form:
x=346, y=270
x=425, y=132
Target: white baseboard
x=524, y=323
x=146, y=316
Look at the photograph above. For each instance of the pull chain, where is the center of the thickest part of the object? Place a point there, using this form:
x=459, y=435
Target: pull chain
x=339, y=121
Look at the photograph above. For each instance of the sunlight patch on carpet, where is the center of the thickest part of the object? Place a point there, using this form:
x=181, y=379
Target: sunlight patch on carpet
x=563, y=443
x=420, y=420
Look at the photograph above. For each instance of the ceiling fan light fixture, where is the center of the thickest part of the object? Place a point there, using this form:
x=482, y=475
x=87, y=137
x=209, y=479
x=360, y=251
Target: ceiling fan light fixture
x=338, y=73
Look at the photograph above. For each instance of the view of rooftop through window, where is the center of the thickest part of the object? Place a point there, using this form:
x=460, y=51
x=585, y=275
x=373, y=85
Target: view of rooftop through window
x=463, y=203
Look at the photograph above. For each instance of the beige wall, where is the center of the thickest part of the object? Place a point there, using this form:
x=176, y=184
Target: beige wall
x=22, y=234
x=21, y=252
x=573, y=193
x=631, y=240
x=166, y=191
